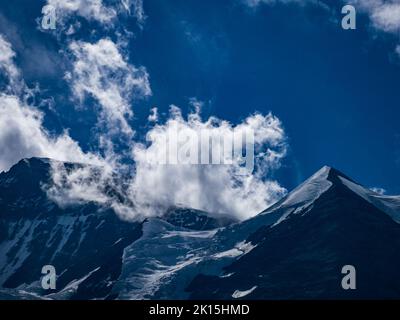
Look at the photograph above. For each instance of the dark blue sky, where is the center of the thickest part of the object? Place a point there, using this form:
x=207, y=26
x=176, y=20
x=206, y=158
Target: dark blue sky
x=336, y=91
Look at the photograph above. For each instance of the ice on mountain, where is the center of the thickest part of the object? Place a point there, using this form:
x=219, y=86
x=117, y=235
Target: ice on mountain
x=239, y=249
x=240, y=294
x=310, y=190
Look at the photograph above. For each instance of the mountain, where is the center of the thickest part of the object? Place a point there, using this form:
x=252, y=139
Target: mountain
x=326, y=223
x=85, y=243
x=295, y=249
x=76, y=240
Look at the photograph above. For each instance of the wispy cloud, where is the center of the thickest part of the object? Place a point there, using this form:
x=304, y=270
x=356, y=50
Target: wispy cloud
x=215, y=188
x=88, y=9
x=22, y=133
x=154, y=187
x=103, y=12
x=138, y=11
x=384, y=15
x=101, y=72
x=8, y=67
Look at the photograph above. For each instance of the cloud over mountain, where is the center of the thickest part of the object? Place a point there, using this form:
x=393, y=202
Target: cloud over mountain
x=22, y=134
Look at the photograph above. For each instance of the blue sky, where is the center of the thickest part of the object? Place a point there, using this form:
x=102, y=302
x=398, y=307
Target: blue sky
x=335, y=91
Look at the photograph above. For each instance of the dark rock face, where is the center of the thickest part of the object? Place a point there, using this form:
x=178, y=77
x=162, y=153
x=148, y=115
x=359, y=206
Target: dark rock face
x=77, y=241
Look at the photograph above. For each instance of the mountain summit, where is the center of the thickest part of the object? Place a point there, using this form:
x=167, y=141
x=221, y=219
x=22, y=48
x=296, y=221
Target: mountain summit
x=295, y=249
x=326, y=223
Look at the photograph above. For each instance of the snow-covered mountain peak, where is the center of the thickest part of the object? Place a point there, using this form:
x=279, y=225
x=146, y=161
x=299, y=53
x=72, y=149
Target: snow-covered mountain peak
x=307, y=192
x=323, y=171
x=310, y=190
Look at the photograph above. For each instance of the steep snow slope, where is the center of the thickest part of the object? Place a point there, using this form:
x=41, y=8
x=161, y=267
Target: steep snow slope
x=163, y=262
x=150, y=265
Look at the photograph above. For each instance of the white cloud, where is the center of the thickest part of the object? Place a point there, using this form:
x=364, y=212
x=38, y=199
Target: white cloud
x=22, y=134
x=81, y=184
x=94, y=10
x=214, y=188
x=196, y=104
x=155, y=187
x=138, y=11
x=100, y=71
x=88, y=9
x=385, y=15
x=8, y=67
